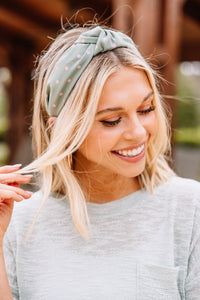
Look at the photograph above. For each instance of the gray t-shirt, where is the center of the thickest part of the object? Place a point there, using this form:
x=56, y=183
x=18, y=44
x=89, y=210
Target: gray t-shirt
x=143, y=247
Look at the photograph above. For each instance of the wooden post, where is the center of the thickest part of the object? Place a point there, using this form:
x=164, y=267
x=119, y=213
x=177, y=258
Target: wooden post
x=146, y=24
x=19, y=92
x=122, y=16
x=172, y=33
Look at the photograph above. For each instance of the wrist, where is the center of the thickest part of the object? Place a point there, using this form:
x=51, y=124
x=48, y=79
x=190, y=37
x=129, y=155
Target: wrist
x=1, y=243
x=1, y=250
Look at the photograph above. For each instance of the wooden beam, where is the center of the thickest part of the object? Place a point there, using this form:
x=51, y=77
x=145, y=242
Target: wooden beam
x=192, y=9
x=24, y=27
x=51, y=10
x=190, y=52
x=41, y=12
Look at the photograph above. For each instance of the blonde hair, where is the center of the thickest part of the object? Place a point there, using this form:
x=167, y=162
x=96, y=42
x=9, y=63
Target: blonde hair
x=53, y=145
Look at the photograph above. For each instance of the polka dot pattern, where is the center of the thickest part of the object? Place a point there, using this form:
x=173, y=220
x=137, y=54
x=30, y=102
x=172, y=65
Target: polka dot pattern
x=75, y=60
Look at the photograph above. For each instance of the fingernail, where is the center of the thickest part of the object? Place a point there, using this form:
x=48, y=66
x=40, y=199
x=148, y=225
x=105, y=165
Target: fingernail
x=16, y=166
x=28, y=176
x=27, y=193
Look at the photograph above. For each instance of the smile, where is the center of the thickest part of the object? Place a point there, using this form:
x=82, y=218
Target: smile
x=131, y=153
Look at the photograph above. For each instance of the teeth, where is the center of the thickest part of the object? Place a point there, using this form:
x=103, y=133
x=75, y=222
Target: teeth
x=131, y=153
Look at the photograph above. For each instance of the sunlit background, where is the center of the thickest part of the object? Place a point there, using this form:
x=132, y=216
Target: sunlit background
x=187, y=133
x=166, y=31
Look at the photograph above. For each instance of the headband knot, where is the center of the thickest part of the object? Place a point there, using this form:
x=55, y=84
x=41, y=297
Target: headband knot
x=74, y=61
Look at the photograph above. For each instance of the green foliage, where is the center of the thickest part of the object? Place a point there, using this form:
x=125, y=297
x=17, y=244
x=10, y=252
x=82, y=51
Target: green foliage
x=188, y=110
x=4, y=125
x=4, y=120
x=189, y=136
x=4, y=153
x=187, y=114
x=3, y=101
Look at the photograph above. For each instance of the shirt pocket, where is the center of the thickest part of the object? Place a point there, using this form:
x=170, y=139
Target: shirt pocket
x=160, y=282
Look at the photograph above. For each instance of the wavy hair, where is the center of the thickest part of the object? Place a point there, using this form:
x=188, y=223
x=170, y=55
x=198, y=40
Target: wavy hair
x=53, y=145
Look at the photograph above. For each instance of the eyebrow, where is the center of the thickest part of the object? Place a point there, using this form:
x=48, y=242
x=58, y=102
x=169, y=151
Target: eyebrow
x=120, y=108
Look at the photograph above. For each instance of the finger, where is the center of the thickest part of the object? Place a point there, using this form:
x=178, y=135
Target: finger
x=10, y=195
x=10, y=168
x=15, y=177
x=6, y=188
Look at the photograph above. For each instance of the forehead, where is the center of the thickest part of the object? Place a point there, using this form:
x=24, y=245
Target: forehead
x=125, y=84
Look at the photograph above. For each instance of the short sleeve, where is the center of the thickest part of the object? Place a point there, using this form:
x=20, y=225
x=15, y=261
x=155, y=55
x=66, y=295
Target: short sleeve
x=10, y=262
x=192, y=285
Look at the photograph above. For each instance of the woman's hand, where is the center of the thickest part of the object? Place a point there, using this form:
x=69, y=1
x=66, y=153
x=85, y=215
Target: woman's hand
x=10, y=192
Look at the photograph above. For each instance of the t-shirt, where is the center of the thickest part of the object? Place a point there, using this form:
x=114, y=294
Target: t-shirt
x=143, y=246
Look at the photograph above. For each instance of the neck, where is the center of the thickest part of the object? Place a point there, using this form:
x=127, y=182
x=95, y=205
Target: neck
x=101, y=186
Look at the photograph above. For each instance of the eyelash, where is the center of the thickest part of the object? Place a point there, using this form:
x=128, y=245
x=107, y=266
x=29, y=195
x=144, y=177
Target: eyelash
x=111, y=123
x=117, y=121
x=146, y=111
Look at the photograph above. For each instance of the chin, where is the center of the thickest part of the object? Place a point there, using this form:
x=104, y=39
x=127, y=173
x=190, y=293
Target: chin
x=134, y=172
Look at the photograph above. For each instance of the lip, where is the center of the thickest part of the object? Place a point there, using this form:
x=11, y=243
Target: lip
x=131, y=147
x=133, y=159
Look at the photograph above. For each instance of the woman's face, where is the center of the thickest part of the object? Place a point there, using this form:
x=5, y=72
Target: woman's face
x=124, y=123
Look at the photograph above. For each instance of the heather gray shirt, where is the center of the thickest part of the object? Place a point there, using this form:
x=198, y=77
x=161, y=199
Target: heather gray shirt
x=144, y=247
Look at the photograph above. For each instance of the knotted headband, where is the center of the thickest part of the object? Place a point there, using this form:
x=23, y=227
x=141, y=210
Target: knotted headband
x=74, y=61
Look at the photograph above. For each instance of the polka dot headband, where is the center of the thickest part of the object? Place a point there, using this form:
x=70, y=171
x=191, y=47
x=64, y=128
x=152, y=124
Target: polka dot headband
x=74, y=61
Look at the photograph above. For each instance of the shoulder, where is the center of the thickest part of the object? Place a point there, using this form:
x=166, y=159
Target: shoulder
x=29, y=207
x=180, y=188
x=25, y=212
x=180, y=197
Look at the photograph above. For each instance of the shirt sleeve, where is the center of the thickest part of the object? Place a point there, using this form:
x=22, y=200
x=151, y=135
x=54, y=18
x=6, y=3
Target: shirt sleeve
x=192, y=285
x=10, y=262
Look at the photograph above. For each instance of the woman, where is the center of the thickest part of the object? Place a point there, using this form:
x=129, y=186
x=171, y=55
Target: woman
x=114, y=221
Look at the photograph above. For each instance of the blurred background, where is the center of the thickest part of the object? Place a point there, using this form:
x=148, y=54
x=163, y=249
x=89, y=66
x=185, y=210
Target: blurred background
x=167, y=32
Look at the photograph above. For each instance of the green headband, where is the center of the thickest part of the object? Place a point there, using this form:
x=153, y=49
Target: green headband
x=74, y=61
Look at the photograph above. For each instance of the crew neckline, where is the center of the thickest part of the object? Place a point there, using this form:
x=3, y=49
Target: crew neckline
x=117, y=206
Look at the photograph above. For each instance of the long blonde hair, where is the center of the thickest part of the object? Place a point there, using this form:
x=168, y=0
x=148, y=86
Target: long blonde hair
x=54, y=145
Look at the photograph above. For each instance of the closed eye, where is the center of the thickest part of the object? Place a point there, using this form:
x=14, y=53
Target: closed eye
x=146, y=111
x=111, y=123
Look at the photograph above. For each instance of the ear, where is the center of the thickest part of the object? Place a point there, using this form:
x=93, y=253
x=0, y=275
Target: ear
x=50, y=121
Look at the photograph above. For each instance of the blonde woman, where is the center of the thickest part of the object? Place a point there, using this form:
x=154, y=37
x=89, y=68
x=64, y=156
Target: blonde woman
x=111, y=219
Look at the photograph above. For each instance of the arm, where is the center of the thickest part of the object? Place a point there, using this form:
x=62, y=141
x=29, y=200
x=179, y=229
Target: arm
x=9, y=192
x=5, y=292
x=192, y=284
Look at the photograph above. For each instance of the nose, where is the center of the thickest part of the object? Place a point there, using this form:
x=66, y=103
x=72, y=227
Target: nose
x=135, y=130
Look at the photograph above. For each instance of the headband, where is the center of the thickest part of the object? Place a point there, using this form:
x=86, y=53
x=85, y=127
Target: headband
x=74, y=61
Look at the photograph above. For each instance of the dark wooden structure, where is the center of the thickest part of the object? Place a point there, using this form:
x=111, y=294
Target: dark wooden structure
x=166, y=31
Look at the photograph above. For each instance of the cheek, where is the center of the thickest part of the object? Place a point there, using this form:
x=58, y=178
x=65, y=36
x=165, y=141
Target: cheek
x=151, y=124
x=99, y=140
x=96, y=141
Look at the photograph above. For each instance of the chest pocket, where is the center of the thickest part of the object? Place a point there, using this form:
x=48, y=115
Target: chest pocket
x=160, y=282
